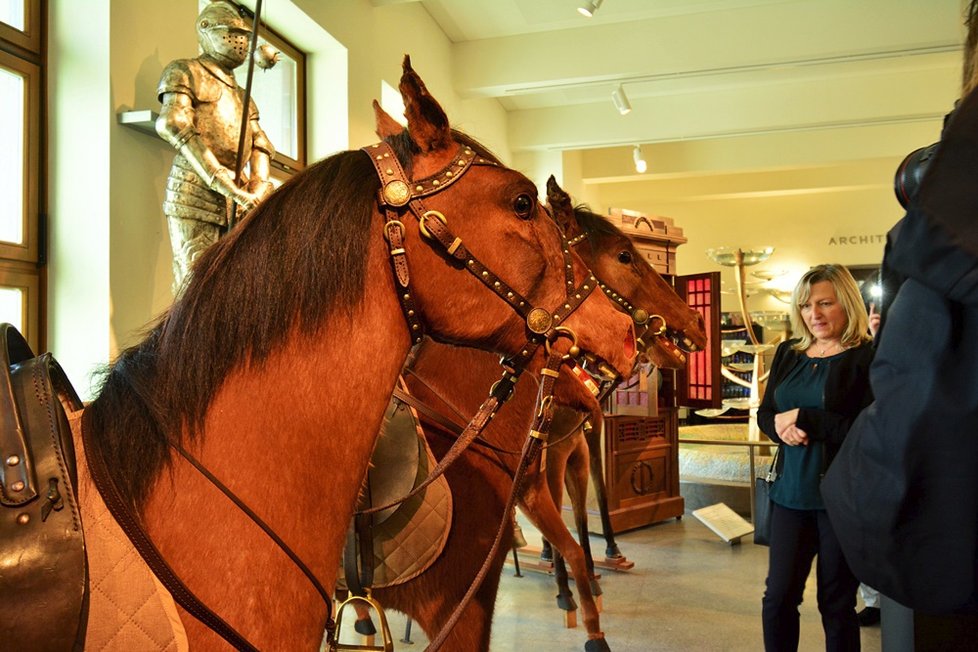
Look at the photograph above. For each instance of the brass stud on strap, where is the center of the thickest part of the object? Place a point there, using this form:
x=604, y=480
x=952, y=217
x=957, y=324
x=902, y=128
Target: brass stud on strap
x=17, y=486
x=23, y=518
x=13, y=460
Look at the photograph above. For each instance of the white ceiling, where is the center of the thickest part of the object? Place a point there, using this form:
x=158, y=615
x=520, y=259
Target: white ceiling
x=760, y=65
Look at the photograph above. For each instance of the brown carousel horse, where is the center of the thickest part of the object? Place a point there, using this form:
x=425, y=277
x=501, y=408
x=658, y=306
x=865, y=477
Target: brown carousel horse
x=451, y=382
x=238, y=431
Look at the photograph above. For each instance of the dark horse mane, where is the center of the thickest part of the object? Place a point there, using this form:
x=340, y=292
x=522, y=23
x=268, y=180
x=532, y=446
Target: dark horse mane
x=298, y=255
x=593, y=224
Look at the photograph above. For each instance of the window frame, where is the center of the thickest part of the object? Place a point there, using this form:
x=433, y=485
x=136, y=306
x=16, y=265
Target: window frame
x=22, y=265
x=30, y=38
x=27, y=279
x=28, y=250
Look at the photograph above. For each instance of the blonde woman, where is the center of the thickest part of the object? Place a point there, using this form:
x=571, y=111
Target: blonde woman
x=819, y=382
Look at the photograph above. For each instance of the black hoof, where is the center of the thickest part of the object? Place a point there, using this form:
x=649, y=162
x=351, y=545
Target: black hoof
x=612, y=552
x=566, y=602
x=597, y=645
x=365, y=627
x=595, y=588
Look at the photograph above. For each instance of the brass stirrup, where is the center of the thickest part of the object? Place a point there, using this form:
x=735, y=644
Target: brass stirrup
x=385, y=631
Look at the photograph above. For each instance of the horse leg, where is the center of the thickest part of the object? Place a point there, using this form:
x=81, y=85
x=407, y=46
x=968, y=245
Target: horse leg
x=364, y=624
x=593, y=437
x=565, y=598
x=555, y=471
x=541, y=509
x=575, y=476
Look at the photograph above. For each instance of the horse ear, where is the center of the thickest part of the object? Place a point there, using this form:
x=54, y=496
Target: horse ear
x=427, y=122
x=387, y=126
x=560, y=206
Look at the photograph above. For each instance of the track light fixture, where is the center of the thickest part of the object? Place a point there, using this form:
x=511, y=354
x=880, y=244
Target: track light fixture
x=588, y=8
x=640, y=165
x=621, y=100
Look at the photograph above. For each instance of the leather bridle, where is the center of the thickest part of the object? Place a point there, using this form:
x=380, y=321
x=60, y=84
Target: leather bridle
x=642, y=318
x=398, y=195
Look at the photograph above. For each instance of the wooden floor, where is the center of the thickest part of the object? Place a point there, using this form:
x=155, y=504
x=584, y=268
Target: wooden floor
x=688, y=591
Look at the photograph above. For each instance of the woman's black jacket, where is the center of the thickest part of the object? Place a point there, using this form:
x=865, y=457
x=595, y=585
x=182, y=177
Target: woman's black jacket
x=846, y=393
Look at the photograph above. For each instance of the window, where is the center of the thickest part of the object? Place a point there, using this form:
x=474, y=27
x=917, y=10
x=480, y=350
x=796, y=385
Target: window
x=21, y=252
x=279, y=93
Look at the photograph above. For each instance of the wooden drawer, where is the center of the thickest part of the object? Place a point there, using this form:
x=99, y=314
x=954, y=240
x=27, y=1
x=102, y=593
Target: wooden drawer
x=640, y=478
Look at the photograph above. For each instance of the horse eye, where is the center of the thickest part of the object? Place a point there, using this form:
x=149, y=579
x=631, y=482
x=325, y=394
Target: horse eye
x=625, y=257
x=523, y=206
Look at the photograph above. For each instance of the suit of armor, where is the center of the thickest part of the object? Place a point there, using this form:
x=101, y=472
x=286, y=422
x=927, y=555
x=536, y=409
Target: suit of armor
x=201, y=118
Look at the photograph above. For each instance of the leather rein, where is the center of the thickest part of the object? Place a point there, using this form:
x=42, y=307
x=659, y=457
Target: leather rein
x=397, y=196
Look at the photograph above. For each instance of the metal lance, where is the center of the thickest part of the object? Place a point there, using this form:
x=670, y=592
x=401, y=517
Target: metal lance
x=245, y=110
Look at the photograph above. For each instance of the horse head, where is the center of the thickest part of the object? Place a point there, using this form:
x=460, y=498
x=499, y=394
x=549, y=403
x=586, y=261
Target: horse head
x=665, y=323
x=492, y=225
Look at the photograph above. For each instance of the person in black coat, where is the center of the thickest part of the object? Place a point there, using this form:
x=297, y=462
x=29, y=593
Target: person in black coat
x=817, y=385
x=903, y=494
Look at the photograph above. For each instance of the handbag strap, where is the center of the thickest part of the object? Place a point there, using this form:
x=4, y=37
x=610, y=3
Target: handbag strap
x=772, y=471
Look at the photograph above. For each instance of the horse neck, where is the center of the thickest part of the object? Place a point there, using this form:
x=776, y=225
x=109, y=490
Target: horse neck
x=461, y=378
x=291, y=437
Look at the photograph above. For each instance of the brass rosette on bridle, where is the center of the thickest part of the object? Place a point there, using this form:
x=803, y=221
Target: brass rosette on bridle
x=539, y=321
x=397, y=193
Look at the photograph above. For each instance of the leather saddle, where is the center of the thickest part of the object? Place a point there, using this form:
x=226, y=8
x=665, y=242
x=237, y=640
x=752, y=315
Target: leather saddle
x=396, y=544
x=43, y=566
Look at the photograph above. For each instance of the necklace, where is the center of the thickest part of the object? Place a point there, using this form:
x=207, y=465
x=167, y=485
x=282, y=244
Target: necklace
x=826, y=349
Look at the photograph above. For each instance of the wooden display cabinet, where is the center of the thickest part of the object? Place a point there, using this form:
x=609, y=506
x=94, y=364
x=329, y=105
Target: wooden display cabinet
x=641, y=468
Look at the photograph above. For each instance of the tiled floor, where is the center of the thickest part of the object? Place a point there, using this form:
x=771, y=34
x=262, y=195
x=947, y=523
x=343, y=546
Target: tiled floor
x=688, y=591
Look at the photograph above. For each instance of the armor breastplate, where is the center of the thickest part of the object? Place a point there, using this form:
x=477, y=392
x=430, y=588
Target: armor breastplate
x=217, y=102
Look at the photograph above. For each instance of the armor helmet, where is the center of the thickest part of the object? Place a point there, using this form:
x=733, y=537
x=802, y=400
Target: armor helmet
x=223, y=34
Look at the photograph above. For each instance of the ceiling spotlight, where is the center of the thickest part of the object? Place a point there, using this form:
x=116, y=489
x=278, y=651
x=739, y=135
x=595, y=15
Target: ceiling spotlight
x=621, y=100
x=588, y=8
x=640, y=165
